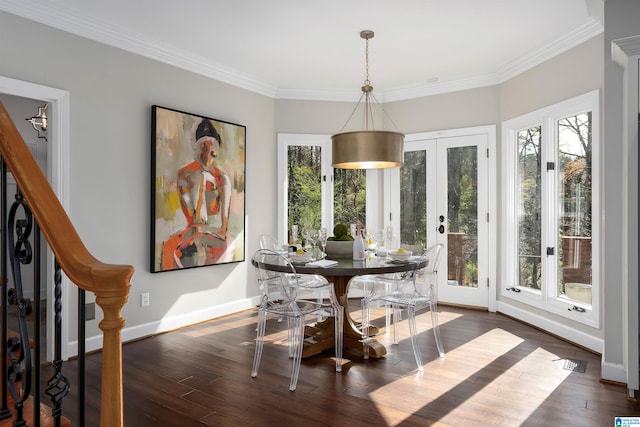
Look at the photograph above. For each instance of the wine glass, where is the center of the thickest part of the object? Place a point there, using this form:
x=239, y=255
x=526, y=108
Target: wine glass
x=390, y=242
x=323, y=240
x=370, y=241
x=294, y=233
x=379, y=237
x=307, y=238
x=313, y=235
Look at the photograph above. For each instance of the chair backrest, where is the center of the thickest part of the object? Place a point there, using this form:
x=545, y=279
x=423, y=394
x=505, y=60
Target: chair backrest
x=426, y=279
x=416, y=249
x=267, y=241
x=277, y=278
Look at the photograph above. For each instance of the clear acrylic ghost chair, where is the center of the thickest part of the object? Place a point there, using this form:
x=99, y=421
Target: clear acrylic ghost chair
x=280, y=298
x=415, y=290
x=313, y=284
x=267, y=241
x=366, y=284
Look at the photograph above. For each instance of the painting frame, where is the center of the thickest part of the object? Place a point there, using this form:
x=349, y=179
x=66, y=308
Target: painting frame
x=198, y=190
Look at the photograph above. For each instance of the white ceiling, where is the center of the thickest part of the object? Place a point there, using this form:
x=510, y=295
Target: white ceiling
x=312, y=49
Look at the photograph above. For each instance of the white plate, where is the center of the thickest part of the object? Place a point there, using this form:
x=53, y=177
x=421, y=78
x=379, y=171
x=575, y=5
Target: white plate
x=404, y=256
x=300, y=258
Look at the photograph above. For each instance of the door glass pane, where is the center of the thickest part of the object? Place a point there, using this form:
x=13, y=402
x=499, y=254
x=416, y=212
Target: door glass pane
x=529, y=212
x=413, y=200
x=462, y=216
x=349, y=196
x=574, y=226
x=304, y=193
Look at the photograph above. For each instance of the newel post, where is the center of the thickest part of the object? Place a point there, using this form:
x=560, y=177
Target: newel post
x=111, y=295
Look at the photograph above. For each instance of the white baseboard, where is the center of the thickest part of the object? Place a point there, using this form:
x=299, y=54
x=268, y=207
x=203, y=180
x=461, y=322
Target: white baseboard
x=168, y=324
x=608, y=371
x=613, y=372
x=581, y=338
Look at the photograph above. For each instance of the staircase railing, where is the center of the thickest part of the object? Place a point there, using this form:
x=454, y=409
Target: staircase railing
x=110, y=283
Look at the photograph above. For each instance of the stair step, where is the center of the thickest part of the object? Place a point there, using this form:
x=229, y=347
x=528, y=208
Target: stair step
x=46, y=419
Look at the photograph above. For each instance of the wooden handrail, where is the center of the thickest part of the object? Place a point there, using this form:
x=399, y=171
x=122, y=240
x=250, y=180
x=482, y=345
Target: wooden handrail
x=109, y=282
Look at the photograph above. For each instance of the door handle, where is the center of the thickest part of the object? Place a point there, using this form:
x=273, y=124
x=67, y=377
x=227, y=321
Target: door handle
x=441, y=229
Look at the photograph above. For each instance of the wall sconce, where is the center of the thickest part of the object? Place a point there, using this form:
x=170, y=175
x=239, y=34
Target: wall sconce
x=39, y=121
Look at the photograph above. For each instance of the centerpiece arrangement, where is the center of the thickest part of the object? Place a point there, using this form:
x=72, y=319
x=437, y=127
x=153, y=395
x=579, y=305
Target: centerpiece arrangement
x=340, y=245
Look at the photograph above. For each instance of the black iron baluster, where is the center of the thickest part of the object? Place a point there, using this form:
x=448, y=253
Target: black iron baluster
x=20, y=368
x=4, y=409
x=81, y=352
x=58, y=385
x=37, y=327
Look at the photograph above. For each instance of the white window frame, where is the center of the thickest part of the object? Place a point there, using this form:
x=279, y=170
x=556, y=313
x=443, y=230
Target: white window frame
x=546, y=299
x=285, y=140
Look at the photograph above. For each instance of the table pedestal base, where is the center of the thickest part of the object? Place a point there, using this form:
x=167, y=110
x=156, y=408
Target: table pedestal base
x=320, y=337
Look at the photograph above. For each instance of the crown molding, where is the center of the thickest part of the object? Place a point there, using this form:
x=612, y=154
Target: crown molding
x=622, y=49
x=318, y=95
x=429, y=89
x=67, y=20
x=544, y=53
x=398, y=94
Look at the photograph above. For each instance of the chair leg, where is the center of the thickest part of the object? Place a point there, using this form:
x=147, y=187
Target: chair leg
x=319, y=301
x=365, y=328
x=291, y=335
x=388, y=313
x=411, y=318
x=396, y=320
x=262, y=318
x=338, y=331
x=436, y=330
x=387, y=317
x=297, y=350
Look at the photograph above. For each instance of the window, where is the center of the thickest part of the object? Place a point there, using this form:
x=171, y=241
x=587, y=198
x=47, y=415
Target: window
x=304, y=189
x=304, y=198
x=551, y=173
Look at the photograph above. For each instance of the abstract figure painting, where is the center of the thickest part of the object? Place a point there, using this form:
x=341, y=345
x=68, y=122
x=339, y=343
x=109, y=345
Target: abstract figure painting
x=198, y=190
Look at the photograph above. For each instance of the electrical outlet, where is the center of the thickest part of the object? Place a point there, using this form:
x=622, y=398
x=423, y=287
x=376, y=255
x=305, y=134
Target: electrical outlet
x=144, y=299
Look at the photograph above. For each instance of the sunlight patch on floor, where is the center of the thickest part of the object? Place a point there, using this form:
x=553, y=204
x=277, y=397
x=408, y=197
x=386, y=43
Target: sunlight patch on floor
x=441, y=377
x=542, y=380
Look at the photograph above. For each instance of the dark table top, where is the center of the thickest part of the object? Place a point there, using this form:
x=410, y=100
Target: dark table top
x=348, y=267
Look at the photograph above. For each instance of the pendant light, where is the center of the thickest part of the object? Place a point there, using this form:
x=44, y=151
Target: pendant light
x=368, y=148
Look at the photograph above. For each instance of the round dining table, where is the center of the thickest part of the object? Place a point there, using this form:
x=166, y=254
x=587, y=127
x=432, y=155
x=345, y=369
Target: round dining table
x=320, y=336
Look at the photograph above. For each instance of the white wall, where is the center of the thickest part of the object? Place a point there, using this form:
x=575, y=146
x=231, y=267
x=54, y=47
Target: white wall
x=111, y=93
x=475, y=107
x=575, y=72
x=621, y=20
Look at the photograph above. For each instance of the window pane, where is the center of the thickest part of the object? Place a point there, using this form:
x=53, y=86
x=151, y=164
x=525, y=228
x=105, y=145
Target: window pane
x=304, y=192
x=413, y=202
x=574, y=222
x=529, y=212
x=462, y=214
x=349, y=196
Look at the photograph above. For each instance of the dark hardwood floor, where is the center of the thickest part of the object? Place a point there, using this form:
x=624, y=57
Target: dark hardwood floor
x=497, y=372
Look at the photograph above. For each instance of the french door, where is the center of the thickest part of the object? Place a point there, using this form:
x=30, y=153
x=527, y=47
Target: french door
x=442, y=195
